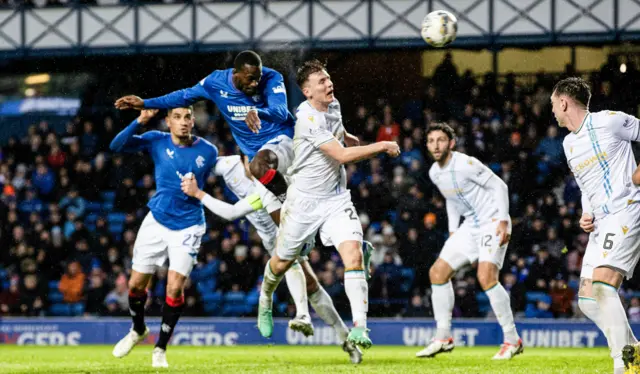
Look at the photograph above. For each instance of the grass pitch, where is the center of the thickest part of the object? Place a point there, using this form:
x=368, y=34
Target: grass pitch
x=298, y=359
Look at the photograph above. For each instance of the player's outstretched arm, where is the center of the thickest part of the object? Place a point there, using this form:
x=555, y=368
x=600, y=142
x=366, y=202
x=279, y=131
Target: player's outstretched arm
x=227, y=211
x=343, y=155
x=177, y=99
x=127, y=140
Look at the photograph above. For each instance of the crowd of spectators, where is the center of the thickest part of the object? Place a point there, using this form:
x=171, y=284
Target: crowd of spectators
x=70, y=209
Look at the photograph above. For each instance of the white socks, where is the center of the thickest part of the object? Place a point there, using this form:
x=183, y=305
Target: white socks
x=501, y=305
x=357, y=290
x=589, y=308
x=442, y=300
x=270, y=282
x=615, y=325
x=297, y=284
x=323, y=305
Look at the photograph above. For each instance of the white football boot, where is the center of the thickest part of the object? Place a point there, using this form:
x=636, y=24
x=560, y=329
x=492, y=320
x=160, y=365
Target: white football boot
x=159, y=358
x=302, y=324
x=126, y=344
x=435, y=347
x=355, y=354
x=508, y=351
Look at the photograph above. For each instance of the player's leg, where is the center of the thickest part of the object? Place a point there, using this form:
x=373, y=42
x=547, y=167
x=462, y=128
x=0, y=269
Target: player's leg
x=183, y=246
x=618, y=247
x=490, y=259
x=149, y=251
x=458, y=251
x=323, y=305
x=342, y=229
x=270, y=165
x=488, y=273
x=274, y=271
x=297, y=284
x=586, y=302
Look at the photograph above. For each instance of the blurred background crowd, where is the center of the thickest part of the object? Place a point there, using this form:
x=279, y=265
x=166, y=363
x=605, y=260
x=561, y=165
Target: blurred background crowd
x=70, y=208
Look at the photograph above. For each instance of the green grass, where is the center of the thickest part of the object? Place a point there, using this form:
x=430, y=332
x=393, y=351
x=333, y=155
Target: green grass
x=296, y=359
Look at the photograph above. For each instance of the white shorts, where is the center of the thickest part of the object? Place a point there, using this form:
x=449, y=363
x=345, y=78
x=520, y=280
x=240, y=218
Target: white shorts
x=155, y=243
x=615, y=243
x=470, y=244
x=302, y=216
x=282, y=146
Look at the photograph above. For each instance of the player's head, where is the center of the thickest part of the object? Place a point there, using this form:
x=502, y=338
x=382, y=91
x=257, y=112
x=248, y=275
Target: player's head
x=247, y=71
x=440, y=141
x=180, y=122
x=569, y=94
x=315, y=82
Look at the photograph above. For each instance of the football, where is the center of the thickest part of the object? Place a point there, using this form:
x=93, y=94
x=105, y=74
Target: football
x=439, y=28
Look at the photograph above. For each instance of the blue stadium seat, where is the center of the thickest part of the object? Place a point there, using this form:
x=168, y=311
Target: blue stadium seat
x=115, y=217
x=107, y=206
x=252, y=298
x=108, y=196
x=234, y=298
x=6, y=284
x=93, y=206
x=212, y=297
x=91, y=218
x=484, y=305
x=55, y=296
x=61, y=310
x=212, y=309
x=77, y=309
x=3, y=274
x=53, y=285
x=206, y=286
x=408, y=275
x=534, y=297
x=116, y=228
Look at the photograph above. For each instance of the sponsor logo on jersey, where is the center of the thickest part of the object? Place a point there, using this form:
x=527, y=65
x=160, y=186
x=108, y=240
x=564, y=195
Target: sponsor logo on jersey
x=239, y=112
x=589, y=162
x=279, y=89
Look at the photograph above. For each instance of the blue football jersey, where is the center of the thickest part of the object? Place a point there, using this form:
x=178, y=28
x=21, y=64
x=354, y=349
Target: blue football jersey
x=169, y=205
x=270, y=103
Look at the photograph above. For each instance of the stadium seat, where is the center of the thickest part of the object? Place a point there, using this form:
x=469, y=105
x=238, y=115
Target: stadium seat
x=6, y=284
x=115, y=217
x=107, y=206
x=77, y=309
x=252, y=298
x=53, y=285
x=534, y=297
x=234, y=298
x=93, y=206
x=91, y=218
x=408, y=275
x=483, y=303
x=61, y=310
x=108, y=196
x=116, y=228
x=55, y=296
x=3, y=274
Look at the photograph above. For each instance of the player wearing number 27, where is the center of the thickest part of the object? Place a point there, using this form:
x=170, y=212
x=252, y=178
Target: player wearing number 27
x=175, y=224
x=599, y=154
x=473, y=191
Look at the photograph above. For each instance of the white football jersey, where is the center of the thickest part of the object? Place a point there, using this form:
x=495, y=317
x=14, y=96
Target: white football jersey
x=231, y=169
x=312, y=171
x=461, y=181
x=600, y=156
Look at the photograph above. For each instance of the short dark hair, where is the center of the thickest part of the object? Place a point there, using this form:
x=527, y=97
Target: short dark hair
x=576, y=88
x=448, y=130
x=246, y=58
x=308, y=68
x=190, y=107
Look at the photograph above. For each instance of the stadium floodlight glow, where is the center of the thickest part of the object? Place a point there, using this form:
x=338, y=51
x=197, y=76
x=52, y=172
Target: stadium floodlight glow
x=37, y=79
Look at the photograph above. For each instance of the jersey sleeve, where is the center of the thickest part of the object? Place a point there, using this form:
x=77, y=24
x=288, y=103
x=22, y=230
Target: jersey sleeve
x=625, y=127
x=275, y=95
x=478, y=172
x=313, y=128
x=182, y=98
x=225, y=164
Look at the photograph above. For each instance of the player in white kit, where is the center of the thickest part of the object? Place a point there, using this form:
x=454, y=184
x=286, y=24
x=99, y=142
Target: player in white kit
x=318, y=201
x=471, y=190
x=599, y=154
x=301, y=279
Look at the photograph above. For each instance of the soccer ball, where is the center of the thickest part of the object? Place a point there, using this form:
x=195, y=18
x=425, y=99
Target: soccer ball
x=439, y=28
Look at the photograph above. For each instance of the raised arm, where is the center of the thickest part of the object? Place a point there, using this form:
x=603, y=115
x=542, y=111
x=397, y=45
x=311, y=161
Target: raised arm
x=127, y=140
x=227, y=211
x=176, y=99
